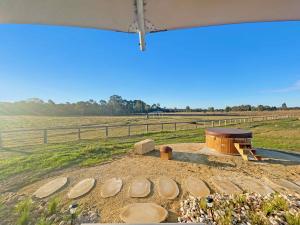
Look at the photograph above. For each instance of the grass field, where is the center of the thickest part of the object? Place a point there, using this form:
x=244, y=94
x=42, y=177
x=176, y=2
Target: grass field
x=65, y=129
x=19, y=166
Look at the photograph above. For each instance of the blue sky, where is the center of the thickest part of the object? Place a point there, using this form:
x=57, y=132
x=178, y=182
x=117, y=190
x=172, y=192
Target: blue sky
x=210, y=66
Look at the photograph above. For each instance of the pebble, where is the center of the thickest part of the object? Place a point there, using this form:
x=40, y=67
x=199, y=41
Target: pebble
x=191, y=211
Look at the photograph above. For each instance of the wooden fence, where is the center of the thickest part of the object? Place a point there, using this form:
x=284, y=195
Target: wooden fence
x=23, y=137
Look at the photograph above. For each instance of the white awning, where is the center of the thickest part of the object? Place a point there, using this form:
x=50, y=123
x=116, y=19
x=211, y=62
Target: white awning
x=143, y=16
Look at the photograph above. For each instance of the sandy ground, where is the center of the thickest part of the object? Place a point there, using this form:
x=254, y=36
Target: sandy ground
x=188, y=160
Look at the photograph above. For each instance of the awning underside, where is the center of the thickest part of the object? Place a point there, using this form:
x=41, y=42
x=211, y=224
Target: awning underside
x=146, y=15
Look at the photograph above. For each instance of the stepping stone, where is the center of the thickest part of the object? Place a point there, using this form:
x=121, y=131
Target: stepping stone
x=143, y=213
x=197, y=187
x=111, y=187
x=225, y=186
x=51, y=187
x=288, y=185
x=140, y=188
x=82, y=188
x=253, y=186
x=274, y=186
x=167, y=188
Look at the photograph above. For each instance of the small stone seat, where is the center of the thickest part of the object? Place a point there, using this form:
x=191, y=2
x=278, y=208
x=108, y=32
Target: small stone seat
x=144, y=146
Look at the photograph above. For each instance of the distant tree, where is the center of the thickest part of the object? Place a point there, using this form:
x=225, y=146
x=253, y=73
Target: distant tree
x=187, y=109
x=228, y=109
x=51, y=102
x=284, y=106
x=211, y=109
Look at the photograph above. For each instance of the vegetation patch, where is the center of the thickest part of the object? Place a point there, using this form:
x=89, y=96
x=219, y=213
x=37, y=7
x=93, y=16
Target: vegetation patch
x=245, y=208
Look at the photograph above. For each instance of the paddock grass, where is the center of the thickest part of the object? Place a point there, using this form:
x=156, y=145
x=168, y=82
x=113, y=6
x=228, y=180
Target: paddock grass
x=21, y=165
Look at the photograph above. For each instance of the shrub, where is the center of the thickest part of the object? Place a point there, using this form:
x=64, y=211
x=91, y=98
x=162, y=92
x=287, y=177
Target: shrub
x=53, y=206
x=258, y=219
x=277, y=203
x=292, y=219
x=23, y=208
x=43, y=221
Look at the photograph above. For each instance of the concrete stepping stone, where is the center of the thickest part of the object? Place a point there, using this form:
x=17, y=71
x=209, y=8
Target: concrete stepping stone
x=274, y=186
x=252, y=185
x=111, y=187
x=81, y=188
x=51, y=187
x=167, y=188
x=196, y=187
x=143, y=213
x=140, y=188
x=224, y=186
x=288, y=185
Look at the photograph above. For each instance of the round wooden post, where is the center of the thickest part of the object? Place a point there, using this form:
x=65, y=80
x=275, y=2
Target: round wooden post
x=45, y=136
x=1, y=145
x=106, y=131
x=129, y=130
x=147, y=128
x=175, y=126
x=78, y=134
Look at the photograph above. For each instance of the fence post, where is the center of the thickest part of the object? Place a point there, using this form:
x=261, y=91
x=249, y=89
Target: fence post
x=128, y=130
x=1, y=140
x=162, y=127
x=78, y=133
x=212, y=123
x=219, y=123
x=225, y=123
x=106, y=131
x=175, y=126
x=45, y=136
x=147, y=127
x=244, y=120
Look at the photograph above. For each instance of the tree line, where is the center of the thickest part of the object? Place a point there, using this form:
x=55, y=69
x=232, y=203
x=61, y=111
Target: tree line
x=115, y=105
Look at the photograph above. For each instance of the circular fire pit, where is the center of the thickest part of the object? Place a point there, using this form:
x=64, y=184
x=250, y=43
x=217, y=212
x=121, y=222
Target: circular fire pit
x=223, y=139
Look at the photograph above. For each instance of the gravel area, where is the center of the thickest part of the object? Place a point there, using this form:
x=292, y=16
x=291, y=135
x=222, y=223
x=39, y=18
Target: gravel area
x=188, y=160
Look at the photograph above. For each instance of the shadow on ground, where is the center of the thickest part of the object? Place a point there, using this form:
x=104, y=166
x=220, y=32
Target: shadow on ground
x=193, y=158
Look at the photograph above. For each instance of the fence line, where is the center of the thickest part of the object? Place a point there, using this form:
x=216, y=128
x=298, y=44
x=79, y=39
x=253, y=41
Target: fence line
x=108, y=129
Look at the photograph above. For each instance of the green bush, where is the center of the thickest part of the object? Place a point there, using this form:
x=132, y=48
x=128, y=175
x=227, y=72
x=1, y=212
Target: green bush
x=292, y=219
x=23, y=208
x=53, y=206
x=277, y=203
x=258, y=219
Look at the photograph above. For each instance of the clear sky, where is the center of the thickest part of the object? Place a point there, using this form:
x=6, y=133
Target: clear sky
x=210, y=66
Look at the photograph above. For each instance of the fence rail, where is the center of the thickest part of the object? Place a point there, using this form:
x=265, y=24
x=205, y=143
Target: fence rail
x=22, y=137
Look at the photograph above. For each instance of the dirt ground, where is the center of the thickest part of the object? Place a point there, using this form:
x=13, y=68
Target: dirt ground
x=188, y=160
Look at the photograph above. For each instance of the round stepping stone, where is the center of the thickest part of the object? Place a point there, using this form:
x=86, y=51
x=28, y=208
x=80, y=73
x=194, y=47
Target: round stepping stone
x=143, y=213
x=274, y=186
x=288, y=185
x=253, y=186
x=51, y=187
x=140, y=188
x=167, y=188
x=197, y=187
x=111, y=187
x=82, y=188
x=225, y=186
